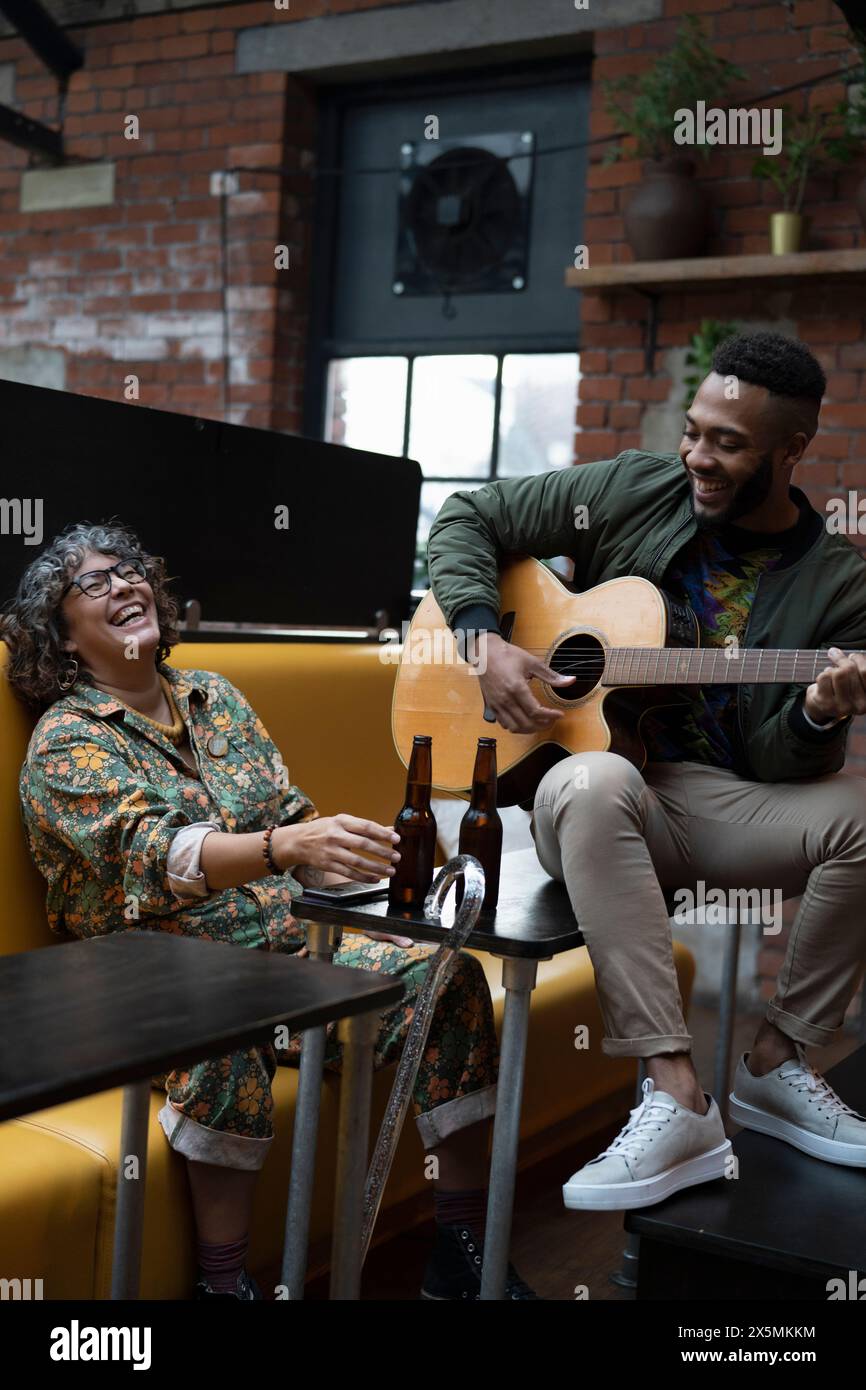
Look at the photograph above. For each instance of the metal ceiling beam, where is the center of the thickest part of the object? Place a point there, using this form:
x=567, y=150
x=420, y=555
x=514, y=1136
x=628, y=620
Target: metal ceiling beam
x=44, y=36
x=19, y=129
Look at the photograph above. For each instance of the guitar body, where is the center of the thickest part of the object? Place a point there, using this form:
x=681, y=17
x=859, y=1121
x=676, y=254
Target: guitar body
x=436, y=692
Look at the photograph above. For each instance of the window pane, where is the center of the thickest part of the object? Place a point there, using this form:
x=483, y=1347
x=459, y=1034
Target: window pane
x=451, y=419
x=432, y=497
x=536, y=422
x=366, y=403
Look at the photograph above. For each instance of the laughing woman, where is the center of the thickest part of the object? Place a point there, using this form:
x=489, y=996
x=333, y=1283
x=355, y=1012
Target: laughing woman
x=153, y=799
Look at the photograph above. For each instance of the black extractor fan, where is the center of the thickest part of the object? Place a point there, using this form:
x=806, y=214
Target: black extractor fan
x=463, y=224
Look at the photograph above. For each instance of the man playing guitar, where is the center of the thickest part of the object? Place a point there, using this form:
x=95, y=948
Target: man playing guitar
x=742, y=787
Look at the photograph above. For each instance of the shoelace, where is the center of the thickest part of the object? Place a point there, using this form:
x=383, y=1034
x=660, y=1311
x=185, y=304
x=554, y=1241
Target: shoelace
x=804, y=1077
x=515, y=1287
x=632, y=1140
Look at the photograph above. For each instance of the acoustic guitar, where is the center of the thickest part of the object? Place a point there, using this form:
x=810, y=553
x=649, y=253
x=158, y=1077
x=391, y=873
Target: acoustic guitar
x=631, y=646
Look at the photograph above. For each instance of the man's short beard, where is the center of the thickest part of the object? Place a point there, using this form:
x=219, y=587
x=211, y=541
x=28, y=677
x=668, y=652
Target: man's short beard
x=747, y=497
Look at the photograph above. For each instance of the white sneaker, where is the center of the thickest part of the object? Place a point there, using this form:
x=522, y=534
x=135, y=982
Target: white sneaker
x=795, y=1103
x=663, y=1148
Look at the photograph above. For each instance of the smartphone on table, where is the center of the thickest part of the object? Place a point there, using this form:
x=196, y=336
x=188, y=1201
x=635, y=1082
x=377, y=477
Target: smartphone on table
x=350, y=892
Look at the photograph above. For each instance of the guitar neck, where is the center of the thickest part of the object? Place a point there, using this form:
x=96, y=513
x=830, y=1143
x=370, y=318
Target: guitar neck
x=637, y=666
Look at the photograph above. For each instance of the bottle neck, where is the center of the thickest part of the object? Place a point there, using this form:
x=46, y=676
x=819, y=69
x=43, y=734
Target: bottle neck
x=484, y=778
x=418, y=781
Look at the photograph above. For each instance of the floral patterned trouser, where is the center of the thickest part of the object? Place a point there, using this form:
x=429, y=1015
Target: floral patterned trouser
x=219, y=1111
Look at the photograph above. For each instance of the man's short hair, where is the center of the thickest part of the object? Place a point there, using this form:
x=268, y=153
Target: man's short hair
x=785, y=368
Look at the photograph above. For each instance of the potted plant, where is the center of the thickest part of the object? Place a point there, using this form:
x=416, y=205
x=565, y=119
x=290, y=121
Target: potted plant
x=808, y=144
x=668, y=215
x=699, y=358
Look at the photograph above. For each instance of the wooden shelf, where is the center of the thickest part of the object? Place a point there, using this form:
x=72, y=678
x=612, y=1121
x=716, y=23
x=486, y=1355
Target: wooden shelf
x=651, y=276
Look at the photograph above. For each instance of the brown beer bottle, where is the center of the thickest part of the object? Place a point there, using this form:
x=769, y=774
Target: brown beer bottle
x=416, y=826
x=481, y=827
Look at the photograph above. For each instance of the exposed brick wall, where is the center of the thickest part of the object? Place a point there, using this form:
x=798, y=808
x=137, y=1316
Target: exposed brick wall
x=135, y=287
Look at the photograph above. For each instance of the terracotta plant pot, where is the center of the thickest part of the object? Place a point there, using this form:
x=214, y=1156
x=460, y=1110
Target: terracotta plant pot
x=787, y=232
x=668, y=215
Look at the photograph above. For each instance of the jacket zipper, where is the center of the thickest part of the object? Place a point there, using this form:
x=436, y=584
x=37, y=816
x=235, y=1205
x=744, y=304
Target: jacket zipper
x=665, y=543
x=743, y=751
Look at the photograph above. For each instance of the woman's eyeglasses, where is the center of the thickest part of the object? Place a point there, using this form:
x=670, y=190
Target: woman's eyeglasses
x=95, y=583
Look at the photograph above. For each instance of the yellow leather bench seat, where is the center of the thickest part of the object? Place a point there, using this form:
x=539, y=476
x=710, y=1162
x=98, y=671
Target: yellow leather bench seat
x=58, y=1167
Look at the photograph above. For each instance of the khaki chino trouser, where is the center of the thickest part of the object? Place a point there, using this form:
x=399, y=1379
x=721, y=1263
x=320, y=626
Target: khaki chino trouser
x=613, y=835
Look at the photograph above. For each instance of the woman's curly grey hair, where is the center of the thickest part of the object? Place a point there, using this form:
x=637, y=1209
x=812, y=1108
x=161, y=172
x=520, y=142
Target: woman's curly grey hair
x=33, y=626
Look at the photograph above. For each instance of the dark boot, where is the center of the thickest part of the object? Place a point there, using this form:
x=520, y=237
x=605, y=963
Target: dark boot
x=454, y=1268
x=248, y=1290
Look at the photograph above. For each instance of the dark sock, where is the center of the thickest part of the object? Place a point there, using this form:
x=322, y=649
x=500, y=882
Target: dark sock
x=221, y=1264
x=465, y=1207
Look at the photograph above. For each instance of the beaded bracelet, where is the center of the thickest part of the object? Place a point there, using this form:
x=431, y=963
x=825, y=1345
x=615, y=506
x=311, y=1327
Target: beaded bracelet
x=266, y=851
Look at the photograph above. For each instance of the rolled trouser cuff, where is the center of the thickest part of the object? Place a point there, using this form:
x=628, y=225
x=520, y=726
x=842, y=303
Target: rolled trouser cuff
x=646, y=1046
x=809, y=1034
x=215, y=1146
x=436, y=1124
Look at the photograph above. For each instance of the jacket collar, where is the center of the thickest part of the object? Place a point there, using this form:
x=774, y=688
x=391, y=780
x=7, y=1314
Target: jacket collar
x=183, y=685
x=684, y=513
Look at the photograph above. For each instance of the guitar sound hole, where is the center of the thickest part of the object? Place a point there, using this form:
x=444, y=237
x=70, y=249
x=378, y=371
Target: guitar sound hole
x=580, y=655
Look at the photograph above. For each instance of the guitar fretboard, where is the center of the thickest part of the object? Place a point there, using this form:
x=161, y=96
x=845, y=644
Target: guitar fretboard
x=711, y=666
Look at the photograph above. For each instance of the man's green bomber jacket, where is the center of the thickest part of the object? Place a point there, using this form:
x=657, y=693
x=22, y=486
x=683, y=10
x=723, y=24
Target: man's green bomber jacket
x=638, y=515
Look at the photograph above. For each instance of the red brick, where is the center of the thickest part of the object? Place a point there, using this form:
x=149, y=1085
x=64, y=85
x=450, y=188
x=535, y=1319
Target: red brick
x=628, y=363
x=625, y=416
x=596, y=308
x=155, y=26
x=684, y=7
x=651, y=388
x=830, y=331
x=183, y=46
x=843, y=386
x=602, y=443
x=599, y=200
x=590, y=415
x=733, y=22
x=602, y=388
x=616, y=175
x=853, y=355
x=826, y=40
x=614, y=335
x=830, y=446
x=593, y=361
x=846, y=416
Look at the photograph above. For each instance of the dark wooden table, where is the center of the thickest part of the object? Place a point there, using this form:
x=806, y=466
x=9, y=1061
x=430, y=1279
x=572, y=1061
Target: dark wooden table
x=780, y=1230
x=533, y=921
x=90, y=1015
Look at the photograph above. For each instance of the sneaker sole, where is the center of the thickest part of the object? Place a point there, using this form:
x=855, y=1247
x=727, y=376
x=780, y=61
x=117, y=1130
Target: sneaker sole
x=831, y=1150
x=645, y=1192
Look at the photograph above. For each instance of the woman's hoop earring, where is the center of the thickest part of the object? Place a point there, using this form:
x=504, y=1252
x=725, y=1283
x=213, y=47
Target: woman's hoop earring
x=69, y=676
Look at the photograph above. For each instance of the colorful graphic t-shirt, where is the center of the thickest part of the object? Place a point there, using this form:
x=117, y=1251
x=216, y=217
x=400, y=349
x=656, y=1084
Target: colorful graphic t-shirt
x=717, y=574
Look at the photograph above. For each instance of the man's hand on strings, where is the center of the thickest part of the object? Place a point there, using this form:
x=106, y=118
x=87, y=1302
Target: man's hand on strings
x=840, y=690
x=506, y=689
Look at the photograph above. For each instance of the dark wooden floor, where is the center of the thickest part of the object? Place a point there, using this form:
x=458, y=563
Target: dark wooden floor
x=558, y=1252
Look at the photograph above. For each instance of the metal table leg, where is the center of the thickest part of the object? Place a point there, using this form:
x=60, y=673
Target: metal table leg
x=626, y=1276
x=518, y=978
x=322, y=941
x=129, y=1212
x=358, y=1036
x=727, y=1013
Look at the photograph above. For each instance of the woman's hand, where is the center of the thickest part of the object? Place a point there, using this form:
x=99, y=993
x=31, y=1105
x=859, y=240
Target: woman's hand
x=343, y=844
x=385, y=936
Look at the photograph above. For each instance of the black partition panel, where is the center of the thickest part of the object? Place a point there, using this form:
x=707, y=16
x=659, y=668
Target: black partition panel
x=213, y=499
